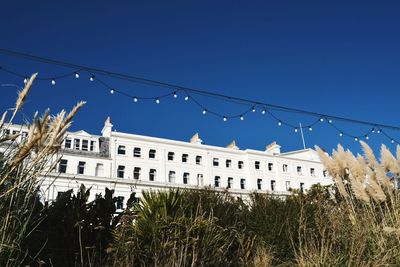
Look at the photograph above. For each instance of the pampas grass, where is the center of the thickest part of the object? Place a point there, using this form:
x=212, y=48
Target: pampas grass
x=24, y=164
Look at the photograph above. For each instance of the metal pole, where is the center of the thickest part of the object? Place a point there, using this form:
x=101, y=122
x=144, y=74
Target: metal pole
x=302, y=136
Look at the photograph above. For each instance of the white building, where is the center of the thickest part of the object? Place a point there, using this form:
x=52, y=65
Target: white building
x=132, y=163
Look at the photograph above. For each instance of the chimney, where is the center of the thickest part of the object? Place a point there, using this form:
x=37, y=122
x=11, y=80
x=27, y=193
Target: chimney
x=106, y=132
x=232, y=145
x=196, y=139
x=273, y=148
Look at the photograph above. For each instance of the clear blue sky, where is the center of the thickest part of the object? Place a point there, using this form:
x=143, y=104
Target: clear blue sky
x=335, y=57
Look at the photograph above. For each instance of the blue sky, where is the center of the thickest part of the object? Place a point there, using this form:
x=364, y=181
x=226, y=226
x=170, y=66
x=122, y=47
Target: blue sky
x=335, y=57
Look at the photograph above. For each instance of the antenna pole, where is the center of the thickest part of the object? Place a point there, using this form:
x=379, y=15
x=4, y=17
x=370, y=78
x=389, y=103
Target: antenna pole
x=302, y=136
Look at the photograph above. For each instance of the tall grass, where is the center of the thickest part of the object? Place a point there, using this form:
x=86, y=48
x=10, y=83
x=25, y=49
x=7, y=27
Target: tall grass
x=24, y=163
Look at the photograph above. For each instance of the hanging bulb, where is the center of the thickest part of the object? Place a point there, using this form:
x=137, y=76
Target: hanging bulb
x=241, y=117
x=330, y=121
x=26, y=80
x=379, y=131
x=53, y=82
x=158, y=101
x=135, y=99
x=373, y=130
x=279, y=123
x=175, y=95
x=340, y=134
x=91, y=78
x=367, y=137
x=321, y=119
x=204, y=111
x=112, y=91
x=225, y=118
x=392, y=141
x=356, y=139
x=264, y=111
x=253, y=109
x=76, y=75
x=186, y=98
x=295, y=130
x=310, y=128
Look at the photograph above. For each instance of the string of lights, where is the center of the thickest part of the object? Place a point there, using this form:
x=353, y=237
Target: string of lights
x=189, y=96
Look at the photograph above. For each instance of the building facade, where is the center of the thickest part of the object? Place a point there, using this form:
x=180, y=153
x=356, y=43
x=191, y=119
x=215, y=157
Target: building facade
x=130, y=163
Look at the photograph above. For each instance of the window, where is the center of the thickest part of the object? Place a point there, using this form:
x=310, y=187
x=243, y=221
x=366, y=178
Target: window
x=230, y=182
x=14, y=132
x=215, y=162
x=99, y=169
x=121, y=150
x=92, y=145
x=68, y=143
x=152, y=174
x=299, y=172
x=81, y=167
x=228, y=163
x=136, y=173
x=185, y=158
x=287, y=184
x=85, y=145
x=198, y=160
x=171, y=177
x=301, y=187
x=257, y=165
x=324, y=173
x=62, y=168
x=242, y=183
x=171, y=155
x=217, y=181
x=199, y=179
x=259, y=184
x=240, y=164
x=77, y=143
x=120, y=203
x=120, y=171
x=285, y=168
x=270, y=166
x=273, y=183
x=136, y=152
x=152, y=154
x=185, y=177
x=312, y=171
x=24, y=135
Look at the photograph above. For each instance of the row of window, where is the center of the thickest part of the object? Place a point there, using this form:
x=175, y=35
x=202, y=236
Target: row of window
x=216, y=162
x=81, y=168
x=85, y=145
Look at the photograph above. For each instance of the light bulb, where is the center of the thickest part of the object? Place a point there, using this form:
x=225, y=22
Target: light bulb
x=135, y=99
x=253, y=109
x=241, y=117
x=225, y=118
x=76, y=75
x=392, y=141
x=186, y=98
x=53, y=82
x=91, y=78
x=112, y=91
x=204, y=111
x=330, y=121
x=158, y=101
x=356, y=139
x=310, y=128
x=340, y=134
x=373, y=130
x=321, y=119
x=379, y=131
x=295, y=130
x=279, y=123
x=367, y=137
x=264, y=111
x=175, y=95
x=25, y=80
